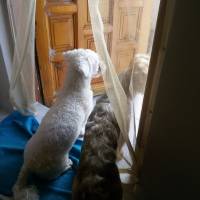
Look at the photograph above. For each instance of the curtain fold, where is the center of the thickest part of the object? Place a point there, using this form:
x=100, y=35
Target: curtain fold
x=126, y=90
x=22, y=81
x=114, y=89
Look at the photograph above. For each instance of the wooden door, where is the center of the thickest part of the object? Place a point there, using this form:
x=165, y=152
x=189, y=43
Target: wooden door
x=55, y=32
x=85, y=36
x=126, y=28
x=62, y=25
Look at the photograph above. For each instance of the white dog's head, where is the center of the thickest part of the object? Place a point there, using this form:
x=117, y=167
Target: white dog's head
x=84, y=61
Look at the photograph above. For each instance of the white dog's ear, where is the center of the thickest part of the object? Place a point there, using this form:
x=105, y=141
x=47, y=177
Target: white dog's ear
x=94, y=66
x=73, y=58
x=84, y=69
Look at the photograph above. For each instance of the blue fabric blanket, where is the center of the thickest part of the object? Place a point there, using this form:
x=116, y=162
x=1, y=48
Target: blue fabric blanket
x=15, y=131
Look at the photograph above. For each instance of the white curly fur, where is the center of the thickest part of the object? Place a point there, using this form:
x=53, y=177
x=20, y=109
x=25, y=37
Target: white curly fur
x=46, y=153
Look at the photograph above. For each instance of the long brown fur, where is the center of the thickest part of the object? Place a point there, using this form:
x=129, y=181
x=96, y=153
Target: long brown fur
x=97, y=176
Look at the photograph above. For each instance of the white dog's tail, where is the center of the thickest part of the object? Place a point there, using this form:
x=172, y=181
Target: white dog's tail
x=21, y=190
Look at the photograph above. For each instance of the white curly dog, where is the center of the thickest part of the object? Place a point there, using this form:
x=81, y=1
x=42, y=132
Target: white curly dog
x=46, y=153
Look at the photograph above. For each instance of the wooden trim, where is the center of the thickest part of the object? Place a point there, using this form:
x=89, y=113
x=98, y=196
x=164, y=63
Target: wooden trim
x=88, y=31
x=97, y=80
x=69, y=8
x=98, y=88
x=58, y=57
x=43, y=46
x=80, y=19
x=135, y=3
x=158, y=54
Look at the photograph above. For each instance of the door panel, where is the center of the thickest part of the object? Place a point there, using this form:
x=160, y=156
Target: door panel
x=55, y=33
x=63, y=25
x=43, y=46
x=126, y=26
x=62, y=32
x=85, y=37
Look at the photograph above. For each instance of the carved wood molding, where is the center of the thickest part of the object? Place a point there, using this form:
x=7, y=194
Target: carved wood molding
x=59, y=9
x=62, y=32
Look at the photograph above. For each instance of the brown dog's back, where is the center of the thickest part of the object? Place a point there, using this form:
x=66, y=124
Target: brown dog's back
x=97, y=176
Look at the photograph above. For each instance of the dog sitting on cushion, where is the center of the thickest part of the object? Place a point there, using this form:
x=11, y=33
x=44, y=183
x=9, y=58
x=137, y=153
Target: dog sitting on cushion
x=46, y=153
x=97, y=176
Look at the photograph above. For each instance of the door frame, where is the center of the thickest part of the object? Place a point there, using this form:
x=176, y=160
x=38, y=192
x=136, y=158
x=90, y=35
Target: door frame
x=164, y=21
x=163, y=27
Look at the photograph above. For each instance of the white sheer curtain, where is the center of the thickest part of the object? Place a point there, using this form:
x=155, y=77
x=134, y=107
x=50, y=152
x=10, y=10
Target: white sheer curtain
x=22, y=81
x=114, y=89
x=134, y=79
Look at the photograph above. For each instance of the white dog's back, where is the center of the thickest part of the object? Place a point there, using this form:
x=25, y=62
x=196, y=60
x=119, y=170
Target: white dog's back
x=57, y=133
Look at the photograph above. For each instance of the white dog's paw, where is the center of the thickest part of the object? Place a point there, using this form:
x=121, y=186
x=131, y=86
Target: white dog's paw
x=68, y=164
x=82, y=131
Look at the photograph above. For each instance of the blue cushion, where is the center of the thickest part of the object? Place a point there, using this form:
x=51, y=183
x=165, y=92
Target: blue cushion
x=15, y=131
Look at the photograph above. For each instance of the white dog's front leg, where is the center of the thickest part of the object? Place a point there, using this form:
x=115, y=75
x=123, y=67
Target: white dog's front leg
x=82, y=131
x=84, y=125
x=68, y=163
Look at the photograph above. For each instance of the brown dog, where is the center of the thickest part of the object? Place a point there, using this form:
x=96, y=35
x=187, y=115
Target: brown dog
x=97, y=176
